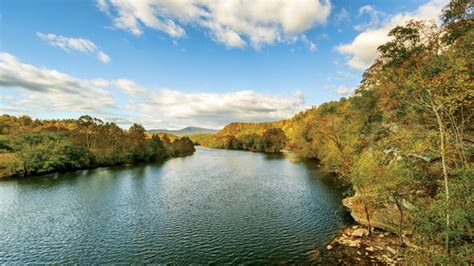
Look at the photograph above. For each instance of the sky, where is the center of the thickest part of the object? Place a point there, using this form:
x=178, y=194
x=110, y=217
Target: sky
x=172, y=64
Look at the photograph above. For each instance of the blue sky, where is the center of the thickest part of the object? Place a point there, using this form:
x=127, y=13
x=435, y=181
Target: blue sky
x=199, y=63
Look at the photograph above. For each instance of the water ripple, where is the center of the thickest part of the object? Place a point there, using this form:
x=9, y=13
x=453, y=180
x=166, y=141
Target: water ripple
x=216, y=206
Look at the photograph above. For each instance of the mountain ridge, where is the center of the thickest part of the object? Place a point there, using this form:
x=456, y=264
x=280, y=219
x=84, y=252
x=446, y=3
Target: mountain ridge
x=185, y=131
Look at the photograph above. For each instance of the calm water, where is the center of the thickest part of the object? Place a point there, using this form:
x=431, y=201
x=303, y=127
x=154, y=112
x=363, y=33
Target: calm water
x=216, y=206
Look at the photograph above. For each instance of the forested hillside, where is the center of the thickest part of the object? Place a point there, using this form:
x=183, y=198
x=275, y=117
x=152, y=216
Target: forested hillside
x=29, y=147
x=266, y=137
x=404, y=140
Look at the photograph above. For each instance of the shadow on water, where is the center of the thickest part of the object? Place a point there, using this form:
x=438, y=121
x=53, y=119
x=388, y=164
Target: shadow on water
x=136, y=170
x=328, y=179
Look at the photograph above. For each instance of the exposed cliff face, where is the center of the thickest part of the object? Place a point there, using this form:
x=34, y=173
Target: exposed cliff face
x=384, y=216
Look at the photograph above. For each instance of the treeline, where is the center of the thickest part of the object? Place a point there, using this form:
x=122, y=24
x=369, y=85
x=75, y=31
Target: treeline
x=248, y=136
x=406, y=137
x=29, y=147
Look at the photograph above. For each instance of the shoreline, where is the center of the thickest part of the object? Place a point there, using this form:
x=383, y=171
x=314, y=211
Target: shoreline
x=353, y=246
x=15, y=176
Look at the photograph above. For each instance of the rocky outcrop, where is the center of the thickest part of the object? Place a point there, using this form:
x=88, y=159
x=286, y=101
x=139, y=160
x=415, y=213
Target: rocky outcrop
x=379, y=248
x=384, y=216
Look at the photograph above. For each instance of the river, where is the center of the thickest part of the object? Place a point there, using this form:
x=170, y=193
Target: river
x=216, y=206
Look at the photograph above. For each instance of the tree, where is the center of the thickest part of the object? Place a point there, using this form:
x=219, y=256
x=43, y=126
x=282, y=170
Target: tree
x=364, y=172
x=136, y=135
x=275, y=138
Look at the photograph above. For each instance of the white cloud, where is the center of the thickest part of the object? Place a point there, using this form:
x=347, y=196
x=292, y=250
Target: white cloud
x=343, y=90
x=376, y=18
x=42, y=89
x=103, y=6
x=103, y=57
x=129, y=87
x=77, y=44
x=362, y=51
x=234, y=23
x=342, y=16
x=36, y=91
x=311, y=45
x=217, y=109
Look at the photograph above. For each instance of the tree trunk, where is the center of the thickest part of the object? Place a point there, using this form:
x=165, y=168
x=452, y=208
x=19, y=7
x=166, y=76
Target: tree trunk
x=367, y=216
x=400, y=225
x=25, y=168
x=445, y=171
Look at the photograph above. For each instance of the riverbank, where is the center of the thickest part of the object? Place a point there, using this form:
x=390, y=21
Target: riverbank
x=60, y=171
x=32, y=147
x=353, y=246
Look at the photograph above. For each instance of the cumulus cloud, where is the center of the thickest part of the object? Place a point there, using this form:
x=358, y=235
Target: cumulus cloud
x=77, y=44
x=343, y=90
x=43, y=89
x=35, y=91
x=235, y=23
x=362, y=51
x=217, y=109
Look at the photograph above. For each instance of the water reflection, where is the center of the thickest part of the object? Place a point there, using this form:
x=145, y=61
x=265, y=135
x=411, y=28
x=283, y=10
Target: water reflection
x=216, y=206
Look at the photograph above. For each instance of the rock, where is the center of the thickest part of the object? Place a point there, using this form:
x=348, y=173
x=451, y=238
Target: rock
x=382, y=215
x=347, y=232
x=407, y=205
x=429, y=158
x=358, y=252
x=329, y=247
x=314, y=255
x=393, y=251
x=379, y=248
x=353, y=244
x=381, y=236
x=355, y=227
x=361, y=232
x=371, y=249
x=411, y=245
x=387, y=259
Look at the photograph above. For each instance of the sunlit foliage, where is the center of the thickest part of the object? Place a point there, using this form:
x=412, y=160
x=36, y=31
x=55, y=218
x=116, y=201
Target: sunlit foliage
x=406, y=137
x=29, y=147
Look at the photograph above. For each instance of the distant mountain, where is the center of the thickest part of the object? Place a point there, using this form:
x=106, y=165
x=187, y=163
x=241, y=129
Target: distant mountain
x=185, y=131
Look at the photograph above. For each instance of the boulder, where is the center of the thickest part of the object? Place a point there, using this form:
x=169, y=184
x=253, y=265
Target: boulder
x=361, y=232
x=329, y=247
x=383, y=216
